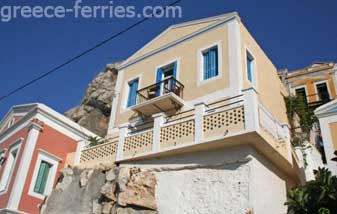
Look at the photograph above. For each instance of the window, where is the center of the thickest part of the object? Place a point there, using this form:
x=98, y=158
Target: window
x=132, y=97
x=44, y=174
x=9, y=167
x=210, y=63
x=250, y=66
x=42, y=177
x=11, y=122
x=322, y=92
x=300, y=92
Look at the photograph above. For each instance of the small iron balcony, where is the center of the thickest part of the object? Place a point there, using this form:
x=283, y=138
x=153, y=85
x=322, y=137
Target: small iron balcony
x=164, y=96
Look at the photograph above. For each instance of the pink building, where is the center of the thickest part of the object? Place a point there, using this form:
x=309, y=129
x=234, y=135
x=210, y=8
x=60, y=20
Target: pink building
x=35, y=143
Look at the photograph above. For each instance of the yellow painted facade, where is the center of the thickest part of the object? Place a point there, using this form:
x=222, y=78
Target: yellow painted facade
x=271, y=90
x=308, y=77
x=186, y=54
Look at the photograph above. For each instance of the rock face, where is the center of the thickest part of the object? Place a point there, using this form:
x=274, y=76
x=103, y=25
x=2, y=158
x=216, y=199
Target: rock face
x=103, y=191
x=94, y=111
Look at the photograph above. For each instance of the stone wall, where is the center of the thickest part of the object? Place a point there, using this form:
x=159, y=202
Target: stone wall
x=103, y=191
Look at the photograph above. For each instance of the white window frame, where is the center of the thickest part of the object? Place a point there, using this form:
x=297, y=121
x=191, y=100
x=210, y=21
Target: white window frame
x=7, y=174
x=176, y=60
x=126, y=90
x=200, y=66
x=54, y=162
x=305, y=88
x=327, y=85
x=11, y=122
x=254, y=82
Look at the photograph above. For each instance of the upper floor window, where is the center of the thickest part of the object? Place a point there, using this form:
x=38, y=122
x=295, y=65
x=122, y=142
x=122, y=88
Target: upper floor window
x=42, y=177
x=322, y=91
x=132, y=95
x=210, y=63
x=9, y=167
x=250, y=67
x=301, y=92
x=11, y=122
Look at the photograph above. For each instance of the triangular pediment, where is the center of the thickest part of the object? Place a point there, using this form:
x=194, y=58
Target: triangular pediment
x=175, y=33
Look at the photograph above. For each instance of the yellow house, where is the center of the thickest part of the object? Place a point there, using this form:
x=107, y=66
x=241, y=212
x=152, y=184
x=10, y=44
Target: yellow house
x=203, y=94
x=316, y=82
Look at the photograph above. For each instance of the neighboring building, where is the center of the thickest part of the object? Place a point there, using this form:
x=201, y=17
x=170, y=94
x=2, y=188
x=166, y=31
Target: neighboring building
x=317, y=83
x=35, y=143
x=203, y=103
x=327, y=115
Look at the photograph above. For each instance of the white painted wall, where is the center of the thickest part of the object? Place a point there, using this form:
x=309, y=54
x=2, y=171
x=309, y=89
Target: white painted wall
x=232, y=180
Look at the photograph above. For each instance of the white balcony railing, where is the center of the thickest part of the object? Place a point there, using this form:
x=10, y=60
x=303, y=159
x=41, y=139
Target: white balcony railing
x=202, y=124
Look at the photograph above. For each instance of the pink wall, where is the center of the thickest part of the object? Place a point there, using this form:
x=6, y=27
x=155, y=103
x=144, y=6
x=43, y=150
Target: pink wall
x=54, y=143
x=23, y=133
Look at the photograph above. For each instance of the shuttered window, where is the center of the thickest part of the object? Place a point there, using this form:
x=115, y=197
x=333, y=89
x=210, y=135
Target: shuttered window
x=210, y=62
x=42, y=177
x=132, y=98
x=250, y=64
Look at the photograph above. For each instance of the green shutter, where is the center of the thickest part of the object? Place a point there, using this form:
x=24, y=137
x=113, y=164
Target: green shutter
x=42, y=177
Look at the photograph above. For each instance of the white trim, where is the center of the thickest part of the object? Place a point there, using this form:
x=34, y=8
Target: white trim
x=9, y=169
x=254, y=83
x=200, y=61
x=177, y=60
x=235, y=56
x=327, y=141
x=53, y=161
x=22, y=172
x=125, y=95
x=327, y=86
x=116, y=101
x=52, y=119
x=293, y=90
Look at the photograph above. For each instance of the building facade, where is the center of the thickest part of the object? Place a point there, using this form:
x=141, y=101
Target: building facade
x=35, y=143
x=200, y=97
x=317, y=83
x=327, y=115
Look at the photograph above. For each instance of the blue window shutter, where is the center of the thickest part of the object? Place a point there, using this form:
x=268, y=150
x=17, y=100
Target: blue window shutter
x=158, y=79
x=249, y=67
x=210, y=63
x=206, y=72
x=175, y=70
x=133, y=87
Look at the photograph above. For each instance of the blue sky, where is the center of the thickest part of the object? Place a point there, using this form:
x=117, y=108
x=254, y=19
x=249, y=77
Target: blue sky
x=293, y=33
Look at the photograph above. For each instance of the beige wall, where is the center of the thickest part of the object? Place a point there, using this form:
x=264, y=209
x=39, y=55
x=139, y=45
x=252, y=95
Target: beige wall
x=187, y=55
x=333, y=131
x=270, y=88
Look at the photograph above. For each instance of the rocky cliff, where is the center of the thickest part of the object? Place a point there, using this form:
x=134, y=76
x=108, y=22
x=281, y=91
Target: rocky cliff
x=94, y=111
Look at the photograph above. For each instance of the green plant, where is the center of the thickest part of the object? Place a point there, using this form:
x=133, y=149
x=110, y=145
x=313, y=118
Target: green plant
x=318, y=196
x=298, y=105
x=94, y=141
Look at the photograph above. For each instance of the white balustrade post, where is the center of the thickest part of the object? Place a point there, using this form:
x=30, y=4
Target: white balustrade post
x=200, y=109
x=78, y=153
x=123, y=132
x=158, y=123
x=251, y=108
x=286, y=132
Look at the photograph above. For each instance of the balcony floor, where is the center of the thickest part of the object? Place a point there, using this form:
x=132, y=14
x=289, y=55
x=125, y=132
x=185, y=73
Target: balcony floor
x=164, y=103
